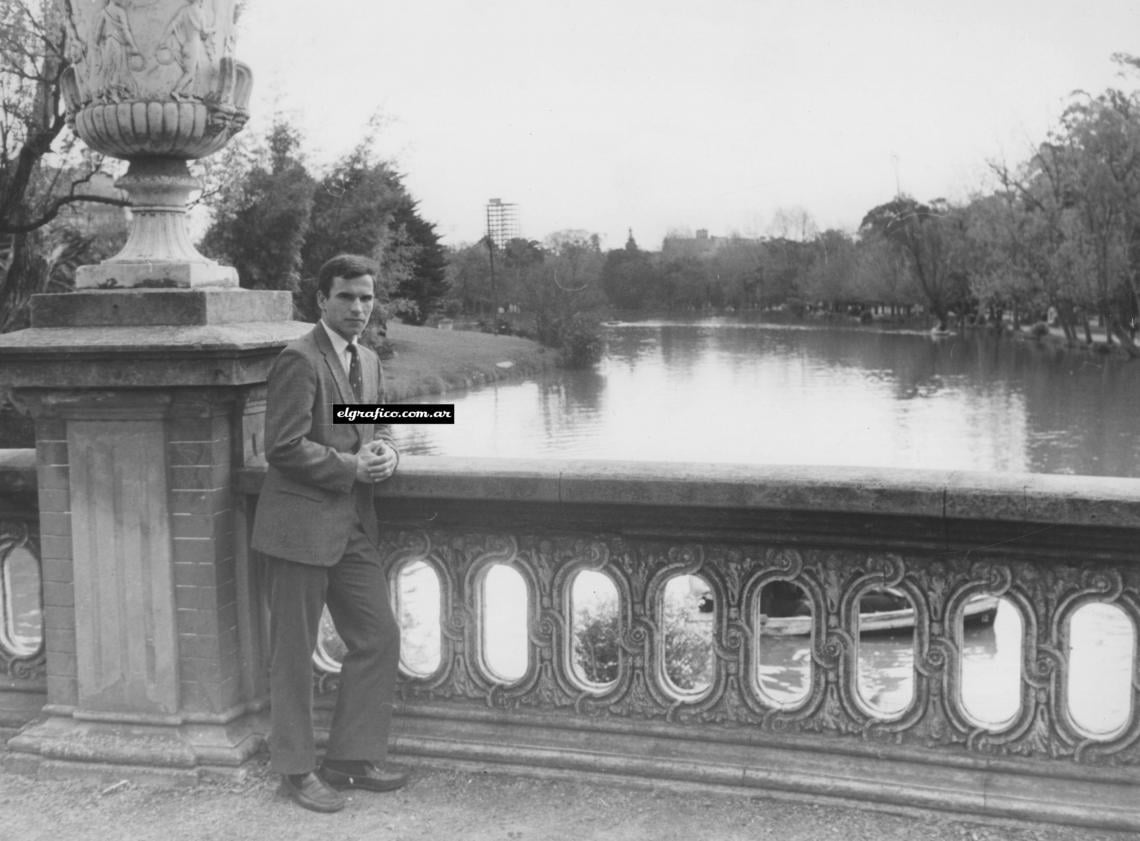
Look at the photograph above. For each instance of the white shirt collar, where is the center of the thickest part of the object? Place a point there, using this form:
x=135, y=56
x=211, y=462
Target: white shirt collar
x=339, y=343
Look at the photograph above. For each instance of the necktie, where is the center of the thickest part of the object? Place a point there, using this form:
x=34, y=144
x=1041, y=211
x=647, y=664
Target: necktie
x=355, y=379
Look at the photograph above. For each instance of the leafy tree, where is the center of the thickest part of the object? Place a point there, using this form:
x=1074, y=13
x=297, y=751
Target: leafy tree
x=738, y=267
x=424, y=285
x=881, y=275
x=920, y=233
x=1101, y=160
x=830, y=274
x=684, y=282
x=468, y=278
x=354, y=208
x=628, y=278
x=783, y=264
x=261, y=220
x=520, y=263
x=1040, y=230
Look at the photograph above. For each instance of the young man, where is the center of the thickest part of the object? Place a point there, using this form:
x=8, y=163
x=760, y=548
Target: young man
x=316, y=523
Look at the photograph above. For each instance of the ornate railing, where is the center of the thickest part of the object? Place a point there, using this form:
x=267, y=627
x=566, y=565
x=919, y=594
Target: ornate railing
x=617, y=619
x=22, y=666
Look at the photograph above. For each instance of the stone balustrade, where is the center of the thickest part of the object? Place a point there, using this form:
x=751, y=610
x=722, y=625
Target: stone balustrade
x=608, y=619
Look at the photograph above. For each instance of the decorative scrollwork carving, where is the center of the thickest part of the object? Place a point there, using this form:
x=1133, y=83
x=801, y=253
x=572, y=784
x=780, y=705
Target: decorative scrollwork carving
x=736, y=575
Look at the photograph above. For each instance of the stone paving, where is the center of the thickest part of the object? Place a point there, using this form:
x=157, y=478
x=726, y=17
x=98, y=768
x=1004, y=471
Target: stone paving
x=473, y=804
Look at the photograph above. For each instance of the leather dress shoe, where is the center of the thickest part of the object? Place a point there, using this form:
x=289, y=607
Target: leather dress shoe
x=311, y=792
x=363, y=775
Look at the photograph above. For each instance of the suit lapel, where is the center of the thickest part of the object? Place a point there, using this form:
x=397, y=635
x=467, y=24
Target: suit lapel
x=333, y=364
x=335, y=369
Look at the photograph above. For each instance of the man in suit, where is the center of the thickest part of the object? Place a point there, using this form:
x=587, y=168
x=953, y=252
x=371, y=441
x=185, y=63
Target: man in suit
x=316, y=525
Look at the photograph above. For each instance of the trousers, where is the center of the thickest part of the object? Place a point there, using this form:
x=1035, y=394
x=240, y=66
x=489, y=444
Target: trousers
x=355, y=590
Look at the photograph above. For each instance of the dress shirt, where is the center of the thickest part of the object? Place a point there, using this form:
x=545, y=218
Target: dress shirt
x=340, y=345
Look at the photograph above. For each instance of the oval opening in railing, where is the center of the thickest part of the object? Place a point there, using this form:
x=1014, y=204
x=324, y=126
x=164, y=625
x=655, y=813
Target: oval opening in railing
x=330, y=650
x=21, y=620
x=783, y=644
x=991, y=670
x=886, y=650
x=687, y=615
x=418, y=612
x=1102, y=647
x=594, y=630
x=504, y=616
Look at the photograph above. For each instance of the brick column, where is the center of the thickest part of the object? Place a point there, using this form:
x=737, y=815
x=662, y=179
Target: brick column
x=146, y=402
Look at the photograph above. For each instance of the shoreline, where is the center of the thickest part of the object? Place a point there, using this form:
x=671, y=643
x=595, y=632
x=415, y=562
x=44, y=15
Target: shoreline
x=1055, y=339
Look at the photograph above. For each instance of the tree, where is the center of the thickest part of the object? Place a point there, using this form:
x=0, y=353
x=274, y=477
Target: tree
x=830, y=275
x=628, y=279
x=468, y=278
x=738, y=266
x=424, y=285
x=1043, y=221
x=570, y=296
x=261, y=220
x=42, y=171
x=1101, y=167
x=921, y=233
x=354, y=207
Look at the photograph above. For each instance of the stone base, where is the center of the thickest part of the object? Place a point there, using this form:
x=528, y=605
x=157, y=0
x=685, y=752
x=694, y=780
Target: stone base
x=160, y=307
x=18, y=706
x=160, y=338
x=163, y=274
x=73, y=747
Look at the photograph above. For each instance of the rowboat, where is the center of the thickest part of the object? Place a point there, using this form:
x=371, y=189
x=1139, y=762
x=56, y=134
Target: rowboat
x=979, y=610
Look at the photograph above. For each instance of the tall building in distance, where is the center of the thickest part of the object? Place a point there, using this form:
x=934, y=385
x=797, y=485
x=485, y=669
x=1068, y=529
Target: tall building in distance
x=502, y=222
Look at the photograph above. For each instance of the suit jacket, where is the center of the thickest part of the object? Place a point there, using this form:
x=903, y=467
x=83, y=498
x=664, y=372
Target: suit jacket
x=311, y=495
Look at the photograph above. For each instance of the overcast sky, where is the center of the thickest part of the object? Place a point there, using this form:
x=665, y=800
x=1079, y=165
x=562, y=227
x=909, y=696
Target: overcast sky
x=607, y=115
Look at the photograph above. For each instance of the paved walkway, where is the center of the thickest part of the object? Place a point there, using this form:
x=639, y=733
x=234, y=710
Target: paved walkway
x=471, y=804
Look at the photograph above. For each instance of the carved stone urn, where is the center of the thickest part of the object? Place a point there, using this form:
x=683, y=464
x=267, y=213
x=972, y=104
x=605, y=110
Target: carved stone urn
x=155, y=82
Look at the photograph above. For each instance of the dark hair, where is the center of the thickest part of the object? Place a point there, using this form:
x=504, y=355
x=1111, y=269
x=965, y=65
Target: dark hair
x=347, y=266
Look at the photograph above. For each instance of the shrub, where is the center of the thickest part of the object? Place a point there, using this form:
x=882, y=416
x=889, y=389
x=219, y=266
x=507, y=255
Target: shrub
x=1039, y=330
x=581, y=342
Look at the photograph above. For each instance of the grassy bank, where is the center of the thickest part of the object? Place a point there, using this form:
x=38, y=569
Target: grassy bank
x=429, y=361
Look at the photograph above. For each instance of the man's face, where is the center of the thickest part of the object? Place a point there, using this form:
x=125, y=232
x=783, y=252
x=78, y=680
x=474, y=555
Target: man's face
x=348, y=305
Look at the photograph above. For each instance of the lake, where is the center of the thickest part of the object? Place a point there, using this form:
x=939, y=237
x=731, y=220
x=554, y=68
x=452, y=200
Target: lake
x=728, y=390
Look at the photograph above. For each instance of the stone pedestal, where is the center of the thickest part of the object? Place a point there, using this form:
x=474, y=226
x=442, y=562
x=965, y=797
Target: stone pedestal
x=145, y=402
x=159, y=253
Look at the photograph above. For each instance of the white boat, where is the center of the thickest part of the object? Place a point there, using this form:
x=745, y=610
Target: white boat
x=980, y=610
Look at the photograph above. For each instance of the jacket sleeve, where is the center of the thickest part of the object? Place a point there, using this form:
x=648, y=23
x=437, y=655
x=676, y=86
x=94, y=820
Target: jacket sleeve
x=383, y=431
x=289, y=442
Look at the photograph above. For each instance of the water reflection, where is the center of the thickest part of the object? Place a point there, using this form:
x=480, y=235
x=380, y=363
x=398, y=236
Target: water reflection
x=719, y=390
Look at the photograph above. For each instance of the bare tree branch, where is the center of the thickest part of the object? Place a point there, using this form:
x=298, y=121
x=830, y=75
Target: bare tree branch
x=53, y=211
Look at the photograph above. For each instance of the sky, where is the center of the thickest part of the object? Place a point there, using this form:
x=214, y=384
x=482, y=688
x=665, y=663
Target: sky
x=613, y=116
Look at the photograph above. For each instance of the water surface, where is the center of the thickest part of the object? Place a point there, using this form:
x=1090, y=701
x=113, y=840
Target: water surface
x=730, y=391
